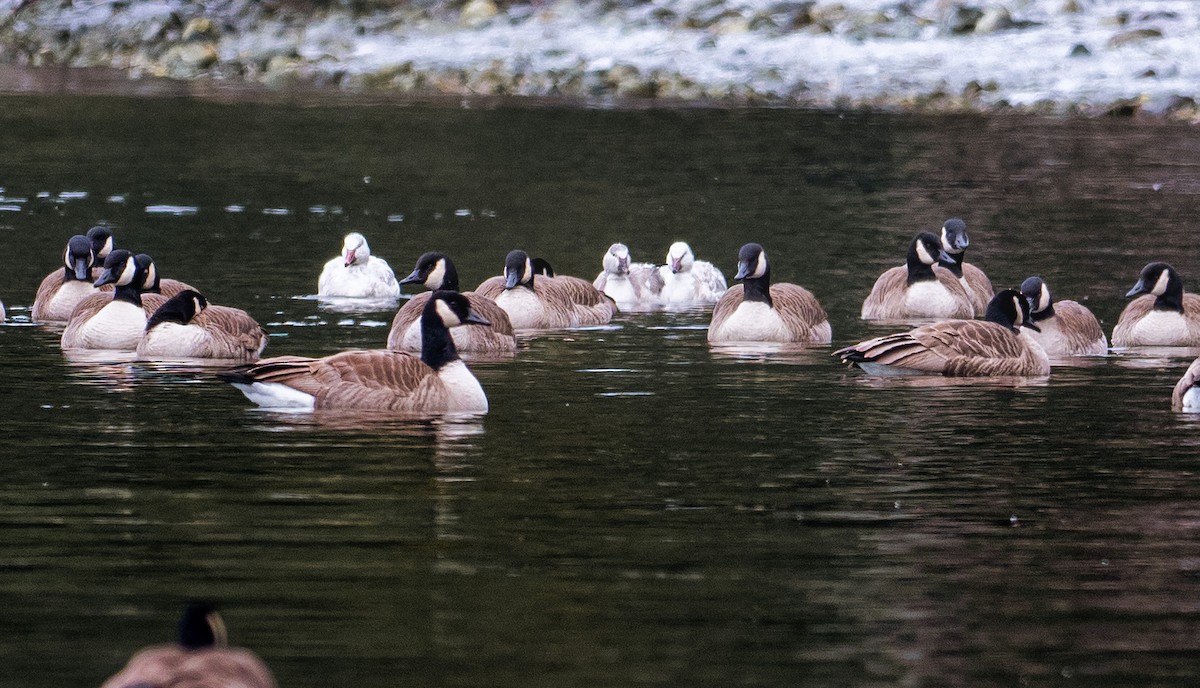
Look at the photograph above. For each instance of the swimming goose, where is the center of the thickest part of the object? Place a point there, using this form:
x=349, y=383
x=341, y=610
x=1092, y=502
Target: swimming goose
x=187, y=326
x=689, y=281
x=1164, y=316
x=64, y=288
x=920, y=289
x=977, y=284
x=357, y=274
x=758, y=311
x=629, y=284
x=200, y=658
x=1066, y=328
x=547, y=302
x=377, y=380
x=436, y=272
x=1186, y=395
x=958, y=348
x=116, y=321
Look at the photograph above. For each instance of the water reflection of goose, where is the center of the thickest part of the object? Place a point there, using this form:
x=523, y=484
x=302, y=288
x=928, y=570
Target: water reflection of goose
x=200, y=658
x=357, y=274
x=758, y=311
x=991, y=348
x=536, y=302
x=186, y=326
x=1162, y=315
x=919, y=289
x=1067, y=328
x=382, y=380
x=436, y=271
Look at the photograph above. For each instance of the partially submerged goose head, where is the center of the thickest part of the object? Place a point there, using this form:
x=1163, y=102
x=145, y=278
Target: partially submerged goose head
x=435, y=271
x=954, y=236
x=78, y=258
x=102, y=242
x=680, y=257
x=518, y=270
x=355, y=250
x=616, y=261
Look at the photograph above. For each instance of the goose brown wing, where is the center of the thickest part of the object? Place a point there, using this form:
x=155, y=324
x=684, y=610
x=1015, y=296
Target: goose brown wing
x=727, y=304
x=372, y=379
x=798, y=308
x=1078, y=324
x=575, y=290
x=171, y=665
x=170, y=287
x=887, y=296
x=491, y=287
x=980, y=285
x=1191, y=313
x=241, y=336
x=1134, y=311
x=408, y=314
x=491, y=311
x=45, y=291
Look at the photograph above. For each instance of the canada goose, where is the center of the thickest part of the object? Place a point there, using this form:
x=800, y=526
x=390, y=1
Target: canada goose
x=977, y=284
x=116, y=322
x=690, y=281
x=959, y=348
x=102, y=244
x=1066, y=328
x=547, y=302
x=758, y=311
x=199, y=658
x=1186, y=395
x=64, y=288
x=437, y=272
x=629, y=284
x=542, y=267
x=186, y=326
x=920, y=289
x=376, y=380
x=357, y=274
x=1164, y=316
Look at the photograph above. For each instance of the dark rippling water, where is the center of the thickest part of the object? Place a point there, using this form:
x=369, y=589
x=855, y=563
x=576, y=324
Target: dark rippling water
x=636, y=509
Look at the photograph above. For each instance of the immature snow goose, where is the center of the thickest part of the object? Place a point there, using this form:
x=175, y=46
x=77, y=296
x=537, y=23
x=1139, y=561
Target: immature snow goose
x=758, y=311
x=955, y=242
x=547, y=302
x=990, y=348
x=116, y=321
x=357, y=274
x=1067, y=328
x=64, y=288
x=687, y=281
x=200, y=658
x=376, y=380
x=920, y=289
x=631, y=285
x=187, y=326
x=436, y=271
x=1164, y=316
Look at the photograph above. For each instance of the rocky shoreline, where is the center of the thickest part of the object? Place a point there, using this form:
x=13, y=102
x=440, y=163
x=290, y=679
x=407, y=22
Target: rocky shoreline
x=1047, y=56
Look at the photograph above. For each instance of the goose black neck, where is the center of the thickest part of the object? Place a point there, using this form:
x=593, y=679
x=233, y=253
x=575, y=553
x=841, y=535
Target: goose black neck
x=171, y=311
x=956, y=266
x=1172, y=298
x=996, y=313
x=128, y=292
x=449, y=277
x=1044, y=314
x=918, y=270
x=758, y=288
x=437, y=346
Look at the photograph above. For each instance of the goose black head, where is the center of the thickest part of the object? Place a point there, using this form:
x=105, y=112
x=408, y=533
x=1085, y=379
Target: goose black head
x=1010, y=308
x=517, y=269
x=453, y=309
x=752, y=262
x=954, y=236
x=150, y=277
x=102, y=242
x=1164, y=283
x=180, y=308
x=78, y=258
x=201, y=626
x=616, y=261
x=927, y=248
x=121, y=269
x=542, y=267
x=1040, y=301
x=435, y=271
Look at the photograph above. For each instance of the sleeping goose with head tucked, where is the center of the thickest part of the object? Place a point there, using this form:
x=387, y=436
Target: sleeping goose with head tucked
x=376, y=380
x=919, y=289
x=200, y=658
x=1065, y=328
x=437, y=272
x=631, y=285
x=758, y=311
x=992, y=347
x=187, y=326
x=536, y=302
x=357, y=274
x=1162, y=315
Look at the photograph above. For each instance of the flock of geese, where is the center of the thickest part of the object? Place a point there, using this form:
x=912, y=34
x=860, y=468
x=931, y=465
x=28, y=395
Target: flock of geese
x=112, y=299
